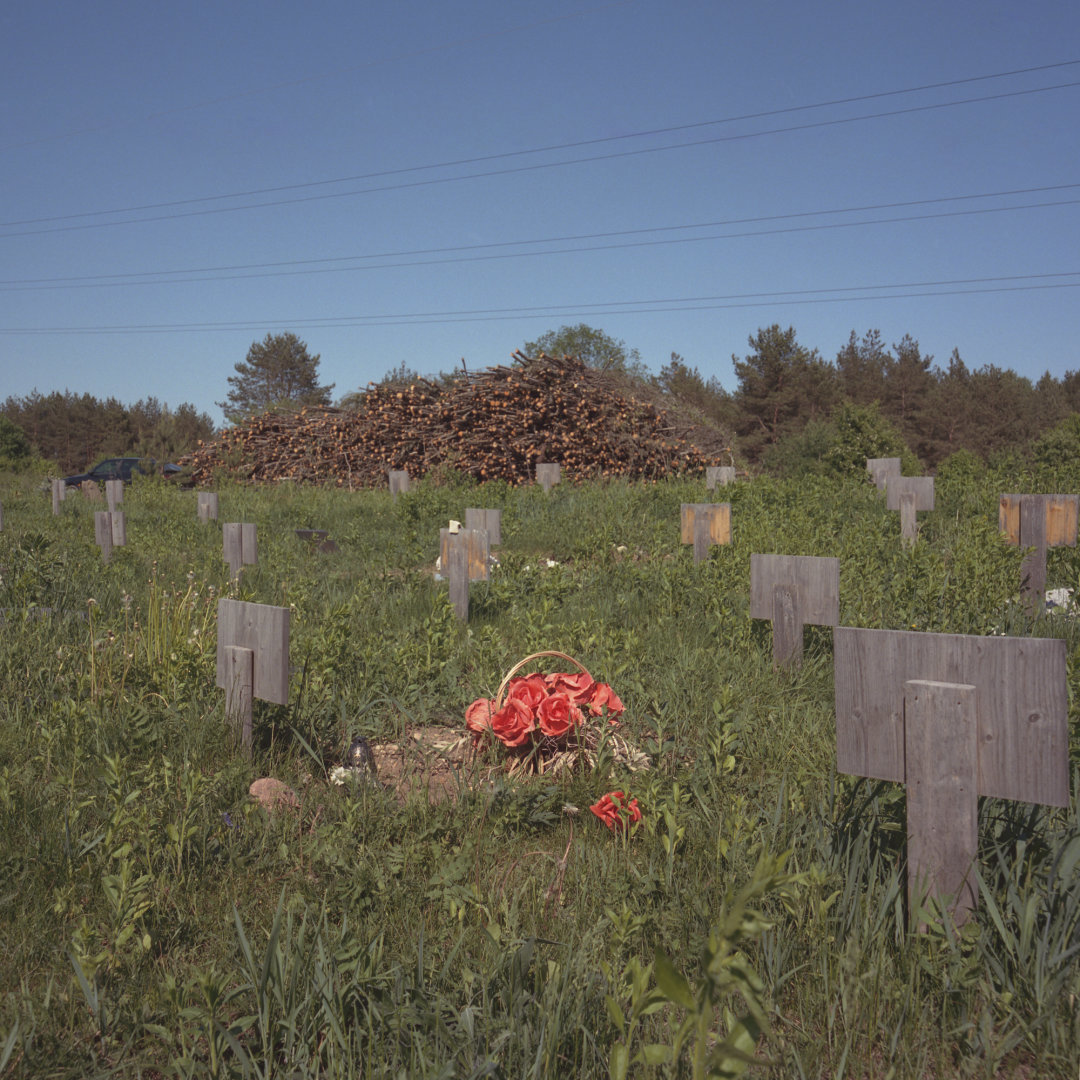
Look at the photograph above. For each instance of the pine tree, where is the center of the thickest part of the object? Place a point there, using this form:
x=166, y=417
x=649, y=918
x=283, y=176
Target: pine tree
x=278, y=373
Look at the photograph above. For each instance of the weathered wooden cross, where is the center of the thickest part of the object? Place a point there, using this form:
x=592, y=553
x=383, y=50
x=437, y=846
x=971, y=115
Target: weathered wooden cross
x=207, y=506
x=881, y=468
x=110, y=530
x=240, y=545
x=793, y=590
x=719, y=474
x=908, y=494
x=951, y=717
x=59, y=490
x=399, y=481
x=548, y=474
x=252, y=659
x=704, y=524
x=1039, y=522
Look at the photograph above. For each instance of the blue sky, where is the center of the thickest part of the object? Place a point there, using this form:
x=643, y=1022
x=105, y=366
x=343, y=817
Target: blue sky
x=421, y=182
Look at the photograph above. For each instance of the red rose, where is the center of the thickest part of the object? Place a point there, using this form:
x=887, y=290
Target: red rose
x=604, y=695
x=615, y=811
x=577, y=686
x=513, y=723
x=530, y=692
x=558, y=715
x=478, y=715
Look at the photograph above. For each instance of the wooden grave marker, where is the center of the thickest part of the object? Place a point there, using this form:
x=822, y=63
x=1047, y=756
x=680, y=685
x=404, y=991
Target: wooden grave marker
x=716, y=530
x=952, y=717
x=881, y=469
x=207, y=506
x=793, y=590
x=909, y=494
x=59, y=490
x=488, y=520
x=239, y=545
x=719, y=474
x=1039, y=522
x=477, y=551
x=548, y=474
x=252, y=659
x=114, y=493
x=456, y=565
x=110, y=530
x=399, y=481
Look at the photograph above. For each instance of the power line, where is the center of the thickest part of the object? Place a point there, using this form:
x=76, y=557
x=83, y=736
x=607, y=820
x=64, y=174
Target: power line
x=226, y=271
x=592, y=248
x=949, y=287
x=508, y=171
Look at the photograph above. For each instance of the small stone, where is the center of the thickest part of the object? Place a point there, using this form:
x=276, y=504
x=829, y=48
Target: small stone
x=272, y=794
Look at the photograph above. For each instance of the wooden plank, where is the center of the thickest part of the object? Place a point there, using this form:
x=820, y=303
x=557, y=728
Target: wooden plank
x=457, y=570
x=249, y=544
x=815, y=579
x=718, y=514
x=881, y=468
x=118, y=524
x=921, y=486
x=909, y=527
x=1009, y=517
x=399, y=481
x=1062, y=513
x=264, y=630
x=1021, y=705
x=1033, y=520
x=59, y=490
x=207, y=506
x=941, y=750
x=239, y=678
x=231, y=546
x=702, y=539
x=548, y=474
x=114, y=493
x=103, y=533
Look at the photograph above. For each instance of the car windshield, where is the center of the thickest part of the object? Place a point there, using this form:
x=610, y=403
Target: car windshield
x=112, y=467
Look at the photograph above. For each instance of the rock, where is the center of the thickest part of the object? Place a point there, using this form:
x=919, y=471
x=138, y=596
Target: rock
x=272, y=794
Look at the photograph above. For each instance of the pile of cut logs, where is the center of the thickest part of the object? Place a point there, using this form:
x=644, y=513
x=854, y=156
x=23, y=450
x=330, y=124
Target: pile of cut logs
x=494, y=425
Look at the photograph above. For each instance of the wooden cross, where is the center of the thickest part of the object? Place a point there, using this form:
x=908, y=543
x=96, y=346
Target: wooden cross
x=399, y=481
x=908, y=494
x=952, y=717
x=548, y=475
x=1039, y=522
x=704, y=524
x=59, y=490
x=477, y=551
x=207, y=506
x=110, y=530
x=252, y=659
x=881, y=469
x=240, y=545
x=793, y=590
x=719, y=474
x=488, y=520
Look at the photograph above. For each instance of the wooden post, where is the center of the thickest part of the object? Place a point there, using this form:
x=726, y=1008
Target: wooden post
x=719, y=474
x=941, y=760
x=548, y=475
x=458, y=572
x=59, y=490
x=793, y=590
x=119, y=528
x=886, y=679
x=478, y=551
x=909, y=529
x=239, y=685
x=207, y=506
x=114, y=493
x=399, y=481
x=1038, y=522
x=881, y=469
x=1033, y=566
x=702, y=539
x=488, y=520
x=103, y=534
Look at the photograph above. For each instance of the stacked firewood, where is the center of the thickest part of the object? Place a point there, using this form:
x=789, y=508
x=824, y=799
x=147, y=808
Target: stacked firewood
x=496, y=424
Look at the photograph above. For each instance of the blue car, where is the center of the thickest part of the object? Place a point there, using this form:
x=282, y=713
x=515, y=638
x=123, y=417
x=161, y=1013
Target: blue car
x=122, y=468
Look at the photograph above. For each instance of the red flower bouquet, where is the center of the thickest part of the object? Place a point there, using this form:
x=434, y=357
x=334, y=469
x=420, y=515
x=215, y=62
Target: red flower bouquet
x=547, y=721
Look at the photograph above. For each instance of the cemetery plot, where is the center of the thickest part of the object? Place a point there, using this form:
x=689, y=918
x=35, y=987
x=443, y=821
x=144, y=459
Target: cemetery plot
x=953, y=717
x=791, y=591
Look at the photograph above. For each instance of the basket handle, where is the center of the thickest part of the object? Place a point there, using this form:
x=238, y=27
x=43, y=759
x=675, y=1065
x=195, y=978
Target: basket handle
x=528, y=660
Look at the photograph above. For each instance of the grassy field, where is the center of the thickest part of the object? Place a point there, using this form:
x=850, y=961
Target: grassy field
x=157, y=922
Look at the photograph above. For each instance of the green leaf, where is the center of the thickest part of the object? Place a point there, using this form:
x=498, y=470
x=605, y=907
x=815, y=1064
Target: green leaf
x=614, y=1010
x=670, y=983
x=619, y=1063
